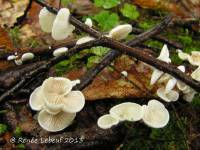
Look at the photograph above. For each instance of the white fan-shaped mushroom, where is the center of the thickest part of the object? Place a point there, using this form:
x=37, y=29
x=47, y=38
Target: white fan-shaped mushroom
x=36, y=100
x=168, y=97
x=164, y=56
x=11, y=57
x=88, y=22
x=194, y=58
x=164, y=78
x=181, y=86
x=189, y=95
x=61, y=27
x=60, y=51
x=155, y=76
x=170, y=85
x=183, y=56
x=54, y=89
x=172, y=82
x=75, y=82
x=18, y=62
x=84, y=40
x=54, y=123
x=196, y=74
x=46, y=20
x=73, y=102
x=27, y=56
x=120, y=32
x=107, y=121
x=127, y=111
x=155, y=114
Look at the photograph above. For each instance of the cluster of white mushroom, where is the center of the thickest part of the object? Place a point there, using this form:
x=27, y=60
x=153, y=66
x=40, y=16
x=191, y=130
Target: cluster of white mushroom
x=58, y=25
x=19, y=60
x=154, y=114
x=57, y=103
x=193, y=59
x=172, y=86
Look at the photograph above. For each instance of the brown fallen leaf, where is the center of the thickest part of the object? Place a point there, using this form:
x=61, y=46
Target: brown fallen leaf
x=187, y=9
x=11, y=10
x=110, y=84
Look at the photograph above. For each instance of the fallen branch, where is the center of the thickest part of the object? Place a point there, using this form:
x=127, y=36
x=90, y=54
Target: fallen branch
x=48, y=65
x=142, y=56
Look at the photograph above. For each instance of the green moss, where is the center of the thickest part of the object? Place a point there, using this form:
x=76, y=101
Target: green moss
x=14, y=34
x=170, y=137
x=18, y=132
x=3, y=128
x=147, y=24
x=154, y=43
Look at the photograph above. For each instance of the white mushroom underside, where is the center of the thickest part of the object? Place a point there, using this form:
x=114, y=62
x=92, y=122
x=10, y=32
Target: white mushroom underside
x=107, y=121
x=54, y=123
x=36, y=100
x=127, y=111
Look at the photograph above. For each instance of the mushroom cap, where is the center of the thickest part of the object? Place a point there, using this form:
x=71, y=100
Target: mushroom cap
x=120, y=32
x=127, y=111
x=73, y=102
x=164, y=78
x=155, y=76
x=84, y=40
x=189, y=95
x=164, y=54
x=61, y=27
x=181, y=86
x=11, y=57
x=107, y=121
x=155, y=114
x=46, y=20
x=181, y=68
x=53, y=90
x=54, y=123
x=88, y=22
x=183, y=56
x=196, y=74
x=168, y=97
x=18, y=62
x=60, y=51
x=36, y=100
x=194, y=59
x=75, y=82
x=27, y=56
x=170, y=85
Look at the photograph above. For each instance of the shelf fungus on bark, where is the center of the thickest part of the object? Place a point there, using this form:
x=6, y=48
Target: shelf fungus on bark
x=155, y=114
x=46, y=20
x=120, y=32
x=164, y=56
x=57, y=103
x=61, y=26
